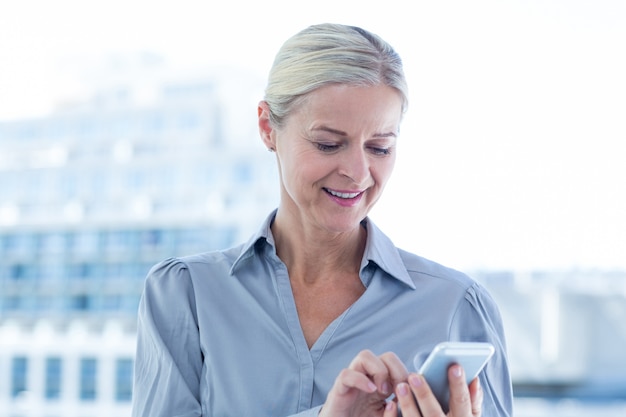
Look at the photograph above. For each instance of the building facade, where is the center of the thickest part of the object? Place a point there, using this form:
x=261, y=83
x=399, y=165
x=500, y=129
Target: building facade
x=91, y=198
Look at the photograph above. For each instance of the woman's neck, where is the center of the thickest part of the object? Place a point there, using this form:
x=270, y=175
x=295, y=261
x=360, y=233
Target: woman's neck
x=311, y=254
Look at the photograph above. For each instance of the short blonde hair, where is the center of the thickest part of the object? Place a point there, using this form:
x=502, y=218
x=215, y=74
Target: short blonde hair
x=327, y=54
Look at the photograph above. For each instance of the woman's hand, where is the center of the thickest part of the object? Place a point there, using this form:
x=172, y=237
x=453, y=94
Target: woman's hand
x=361, y=389
x=464, y=401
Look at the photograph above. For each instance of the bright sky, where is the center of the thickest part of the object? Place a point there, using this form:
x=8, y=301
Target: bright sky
x=512, y=153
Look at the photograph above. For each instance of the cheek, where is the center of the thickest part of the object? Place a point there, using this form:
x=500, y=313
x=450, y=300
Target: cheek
x=384, y=170
x=306, y=166
x=297, y=175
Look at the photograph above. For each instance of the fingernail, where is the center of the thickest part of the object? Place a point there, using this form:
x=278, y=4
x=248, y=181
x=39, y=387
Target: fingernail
x=389, y=406
x=403, y=389
x=372, y=387
x=415, y=380
x=386, y=388
x=457, y=371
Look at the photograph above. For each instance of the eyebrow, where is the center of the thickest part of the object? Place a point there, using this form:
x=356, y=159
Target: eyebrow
x=342, y=133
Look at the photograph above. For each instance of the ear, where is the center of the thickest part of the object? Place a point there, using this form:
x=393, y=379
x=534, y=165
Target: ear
x=265, y=126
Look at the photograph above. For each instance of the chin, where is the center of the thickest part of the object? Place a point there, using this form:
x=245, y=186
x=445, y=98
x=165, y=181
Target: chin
x=336, y=225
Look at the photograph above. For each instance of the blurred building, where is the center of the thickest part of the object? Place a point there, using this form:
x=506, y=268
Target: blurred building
x=90, y=198
x=566, y=333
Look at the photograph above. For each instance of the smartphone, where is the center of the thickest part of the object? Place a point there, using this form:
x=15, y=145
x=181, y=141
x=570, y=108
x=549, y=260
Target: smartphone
x=470, y=355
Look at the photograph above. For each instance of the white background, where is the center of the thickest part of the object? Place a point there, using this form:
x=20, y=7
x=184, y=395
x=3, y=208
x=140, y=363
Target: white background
x=512, y=153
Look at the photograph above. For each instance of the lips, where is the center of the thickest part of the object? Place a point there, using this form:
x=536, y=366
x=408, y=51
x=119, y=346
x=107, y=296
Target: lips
x=343, y=194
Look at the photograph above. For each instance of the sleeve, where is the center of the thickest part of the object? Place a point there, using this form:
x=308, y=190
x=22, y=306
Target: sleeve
x=168, y=359
x=311, y=412
x=478, y=320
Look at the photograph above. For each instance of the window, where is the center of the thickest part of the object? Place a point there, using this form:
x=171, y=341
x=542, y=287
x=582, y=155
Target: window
x=99, y=184
x=188, y=121
x=69, y=185
x=204, y=176
x=136, y=180
x=80, y=271
x=86, y=243
x=151, y=239
x=12, y=303
x=52, y=268
x=6, y=241
x=27, y=131
x=130, y=303
x=17, y=272
x=123, y=379
x=154, y=123
x=21, y=244
x=19, y=376
x=222, y=237
x=118, y=241
x=9, y=181
x=33, y=180
x=80, y=302
x=53, y=243
x=53, y=378
x=87, y=127
x=57, y=129
x=121, y=126
x=88, y=379
x=111, y=302
x=44, y=303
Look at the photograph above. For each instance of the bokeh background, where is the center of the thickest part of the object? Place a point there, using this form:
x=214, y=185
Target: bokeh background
x=127, y=135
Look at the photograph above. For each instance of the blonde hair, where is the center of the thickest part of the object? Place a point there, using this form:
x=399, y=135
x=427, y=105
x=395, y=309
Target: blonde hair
x=327, y=54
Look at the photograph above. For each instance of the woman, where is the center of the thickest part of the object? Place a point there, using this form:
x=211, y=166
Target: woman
x=318, y=313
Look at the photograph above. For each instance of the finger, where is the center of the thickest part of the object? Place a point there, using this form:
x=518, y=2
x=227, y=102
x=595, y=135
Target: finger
x=391, y=409
x=427, y=401
x=373, y=366
x=406, y=401
x=350, y=379
x=460, y=401
x=476, y=395
x=395, y=367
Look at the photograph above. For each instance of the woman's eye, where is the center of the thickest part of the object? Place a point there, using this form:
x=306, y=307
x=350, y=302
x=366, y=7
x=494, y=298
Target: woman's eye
x=325, y=147
x=380, y=151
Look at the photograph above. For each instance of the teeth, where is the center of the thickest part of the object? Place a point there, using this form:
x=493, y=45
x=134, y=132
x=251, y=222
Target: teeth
x=342, y=195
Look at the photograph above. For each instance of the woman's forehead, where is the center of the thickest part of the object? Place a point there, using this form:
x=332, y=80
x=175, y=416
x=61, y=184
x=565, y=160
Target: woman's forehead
x=373, y=105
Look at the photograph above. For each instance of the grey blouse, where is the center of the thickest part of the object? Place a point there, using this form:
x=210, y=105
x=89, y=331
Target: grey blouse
x=219, y=335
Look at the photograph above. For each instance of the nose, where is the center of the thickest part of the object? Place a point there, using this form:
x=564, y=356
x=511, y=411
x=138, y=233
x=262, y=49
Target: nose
x=355, y=165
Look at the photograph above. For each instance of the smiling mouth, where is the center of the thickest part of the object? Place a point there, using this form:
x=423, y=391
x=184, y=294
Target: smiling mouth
x=346, y=196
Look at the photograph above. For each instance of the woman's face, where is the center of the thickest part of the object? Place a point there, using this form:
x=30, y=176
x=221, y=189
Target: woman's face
x=335, y=153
